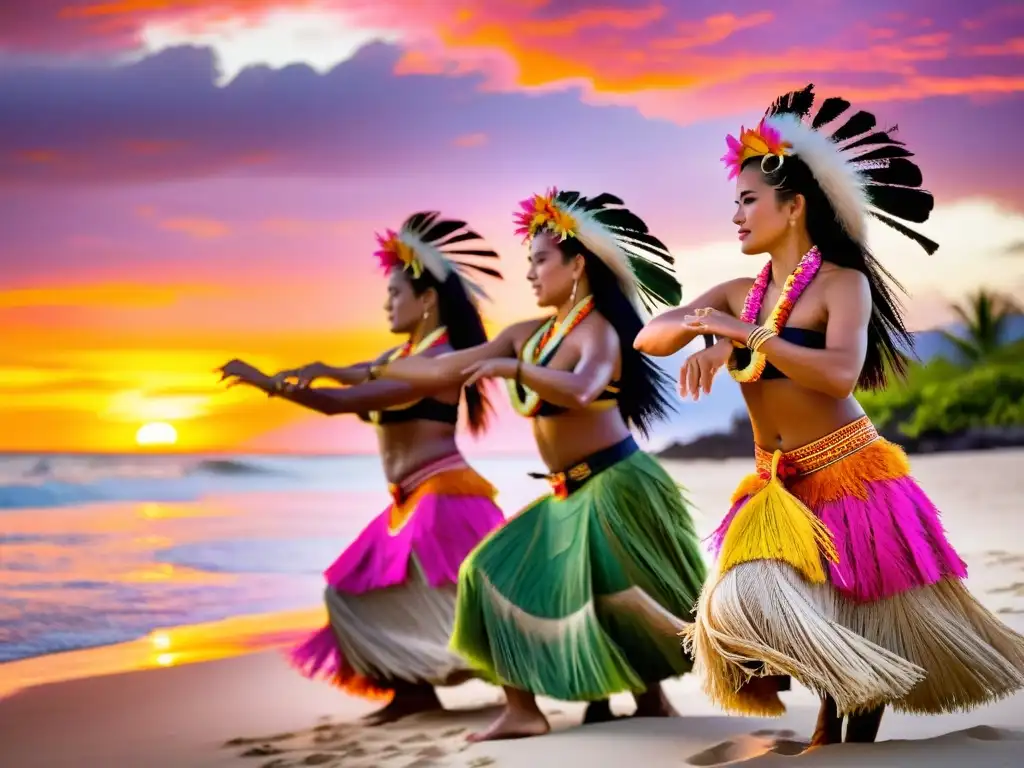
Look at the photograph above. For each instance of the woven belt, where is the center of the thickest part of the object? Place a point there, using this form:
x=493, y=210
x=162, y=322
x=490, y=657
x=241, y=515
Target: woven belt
x=824, y=452
x=402, y=490
x=570, y=480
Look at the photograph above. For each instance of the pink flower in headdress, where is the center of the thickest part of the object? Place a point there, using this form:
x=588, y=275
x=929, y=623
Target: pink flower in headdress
x=754, y=142
x=394, y=254
x=541, y=211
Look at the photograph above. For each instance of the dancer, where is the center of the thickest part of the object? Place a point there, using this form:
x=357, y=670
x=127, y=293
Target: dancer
x=391, y=595
x=580, y=595
x=833, y=566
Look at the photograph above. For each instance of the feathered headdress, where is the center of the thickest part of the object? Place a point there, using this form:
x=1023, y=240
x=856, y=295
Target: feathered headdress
x=863, y=171
x=424, y=243
x=613, y=233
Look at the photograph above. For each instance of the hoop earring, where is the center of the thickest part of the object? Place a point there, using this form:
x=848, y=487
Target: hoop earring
x=575, y=285
x=426, y=314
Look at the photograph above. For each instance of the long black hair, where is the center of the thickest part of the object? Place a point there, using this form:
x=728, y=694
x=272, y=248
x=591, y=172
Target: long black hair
x=889, y=341
x=459, y=315
x=644, y=396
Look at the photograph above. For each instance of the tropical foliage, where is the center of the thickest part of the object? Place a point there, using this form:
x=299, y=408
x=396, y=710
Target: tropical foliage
x=983, y=386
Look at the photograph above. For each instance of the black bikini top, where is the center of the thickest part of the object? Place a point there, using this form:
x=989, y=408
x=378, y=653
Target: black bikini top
x=799, y=336
x=606, y=399
x=427, y=409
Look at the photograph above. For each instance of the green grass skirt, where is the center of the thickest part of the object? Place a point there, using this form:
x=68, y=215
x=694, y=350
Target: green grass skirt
x=580, y=598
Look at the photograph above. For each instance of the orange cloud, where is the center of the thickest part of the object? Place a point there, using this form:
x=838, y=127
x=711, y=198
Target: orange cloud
x=470, y=140
x=103, y=295
x=1011, y=47
x=197, y=227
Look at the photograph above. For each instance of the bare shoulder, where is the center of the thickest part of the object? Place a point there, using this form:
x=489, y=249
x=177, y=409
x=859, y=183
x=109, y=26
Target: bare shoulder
x=595, y=327
x=736, y=291
x=844, y=283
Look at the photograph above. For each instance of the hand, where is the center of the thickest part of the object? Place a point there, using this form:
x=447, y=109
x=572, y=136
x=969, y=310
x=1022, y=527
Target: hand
x=500, y=368
x=700, y=368
x=708, y=320
x=240, y=372
x=304, y=376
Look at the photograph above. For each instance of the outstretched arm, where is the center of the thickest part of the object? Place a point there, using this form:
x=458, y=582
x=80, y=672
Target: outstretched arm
x=449, y=369
x=331, y=401
x=666, y=334
x=579, y=387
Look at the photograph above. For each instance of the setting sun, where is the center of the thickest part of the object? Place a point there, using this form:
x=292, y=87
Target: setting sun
x=156, y=433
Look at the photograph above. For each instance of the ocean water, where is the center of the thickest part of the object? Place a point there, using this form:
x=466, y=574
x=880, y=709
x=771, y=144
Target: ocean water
x=96, y=550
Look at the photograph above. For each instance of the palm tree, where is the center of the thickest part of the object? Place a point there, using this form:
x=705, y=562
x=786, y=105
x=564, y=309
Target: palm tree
x=985, y=316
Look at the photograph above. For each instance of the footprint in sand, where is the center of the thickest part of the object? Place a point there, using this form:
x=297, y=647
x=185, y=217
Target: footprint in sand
x=278, y=762
x=453, y=732
x=263, y=750
x=745, y=747
x=416, y=738
x=431, y=752
x=318, y=758
x=481, y=762
x=242, y=741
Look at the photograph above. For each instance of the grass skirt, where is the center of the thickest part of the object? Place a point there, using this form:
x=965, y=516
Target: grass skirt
x=833, y=568
x=390, y=596
x=582, y=597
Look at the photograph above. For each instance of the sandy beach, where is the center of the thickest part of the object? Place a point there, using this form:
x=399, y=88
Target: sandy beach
x=222, y=695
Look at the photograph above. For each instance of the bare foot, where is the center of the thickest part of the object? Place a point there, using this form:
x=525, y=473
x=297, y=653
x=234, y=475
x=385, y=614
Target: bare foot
x=654, y=703
x=513, y=724
x=406, y=702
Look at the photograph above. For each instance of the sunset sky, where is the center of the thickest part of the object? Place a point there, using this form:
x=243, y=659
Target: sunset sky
x=182, y=182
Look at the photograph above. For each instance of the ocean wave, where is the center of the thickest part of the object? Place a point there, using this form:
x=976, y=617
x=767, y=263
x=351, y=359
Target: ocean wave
x=62, y=494
x=232, y=467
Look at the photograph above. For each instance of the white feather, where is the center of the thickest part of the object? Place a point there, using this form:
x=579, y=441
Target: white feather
x=605, y=244
x=437, y=263
x=841, y=182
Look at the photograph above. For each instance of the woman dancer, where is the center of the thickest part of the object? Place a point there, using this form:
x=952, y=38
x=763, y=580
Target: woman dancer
x=391, y=595
x=582, y=593
x=833, y=566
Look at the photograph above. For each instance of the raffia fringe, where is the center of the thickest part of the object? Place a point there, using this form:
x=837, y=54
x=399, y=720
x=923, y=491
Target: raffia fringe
x=761, y=618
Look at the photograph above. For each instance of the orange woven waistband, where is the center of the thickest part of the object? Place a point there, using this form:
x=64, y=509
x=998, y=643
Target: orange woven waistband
x=824, y=452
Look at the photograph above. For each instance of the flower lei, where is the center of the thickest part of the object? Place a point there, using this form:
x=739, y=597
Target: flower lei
x=433, y=339
x=539, y=349
x=794, y=287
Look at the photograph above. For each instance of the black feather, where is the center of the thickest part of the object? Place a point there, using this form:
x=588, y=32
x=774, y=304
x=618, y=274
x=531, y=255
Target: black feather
x=879, y=137
x=904, y=203
x=861, y=122
x=793, y=103
x=622, y=218
x=441, y=229
x=929, y=245
x=883, y=153
x=830, y=109
x=461, y=237
x=489, y=271
x=470, y=252
x=899, y=171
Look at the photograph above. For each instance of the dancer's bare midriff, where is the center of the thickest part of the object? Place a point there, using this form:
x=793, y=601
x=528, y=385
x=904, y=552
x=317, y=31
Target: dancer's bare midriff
x=785, y=415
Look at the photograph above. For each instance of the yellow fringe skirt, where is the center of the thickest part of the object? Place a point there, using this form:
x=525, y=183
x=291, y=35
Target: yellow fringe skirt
x=833, y=568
